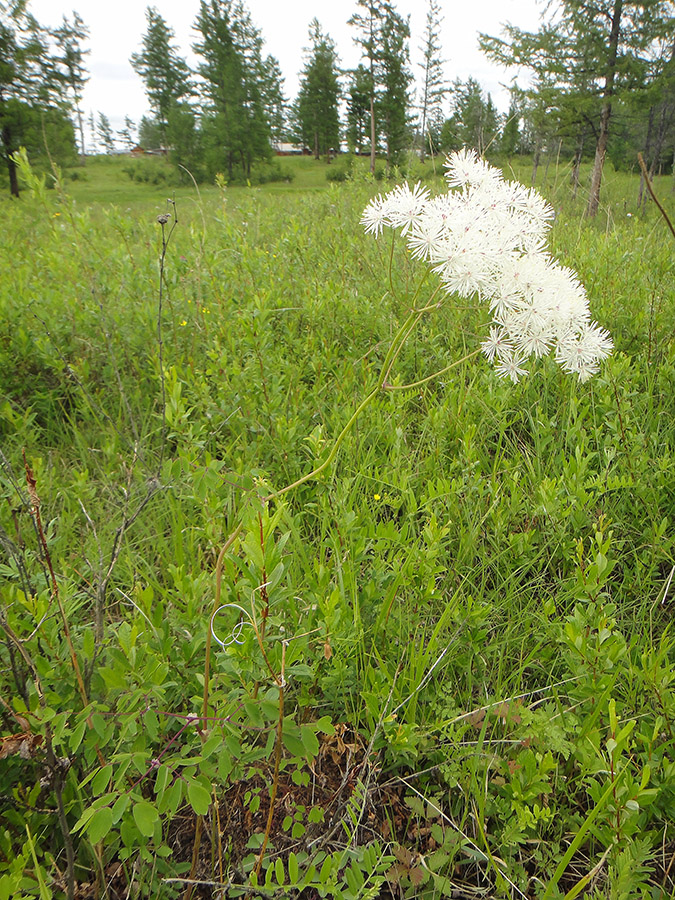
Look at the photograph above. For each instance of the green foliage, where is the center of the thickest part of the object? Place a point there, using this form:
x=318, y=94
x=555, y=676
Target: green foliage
x=239, y=86
x=380, y=85
x=34, y=87
x=450, y=652
x=319, y=94
x=151, y=171
x=166, y=76
x=474, y=121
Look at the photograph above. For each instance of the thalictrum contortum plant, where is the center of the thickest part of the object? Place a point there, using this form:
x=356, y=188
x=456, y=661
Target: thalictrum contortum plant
x=486, y=237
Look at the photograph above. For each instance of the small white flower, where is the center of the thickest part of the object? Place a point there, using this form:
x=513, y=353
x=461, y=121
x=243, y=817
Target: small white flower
x=495, y=344
x=425, y=237
x=581, y=352
x=510, y=366
x=466, y=168
x=376, y=216
x=405, y=206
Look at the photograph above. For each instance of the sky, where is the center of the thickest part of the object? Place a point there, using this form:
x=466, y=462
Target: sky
x=116, y=28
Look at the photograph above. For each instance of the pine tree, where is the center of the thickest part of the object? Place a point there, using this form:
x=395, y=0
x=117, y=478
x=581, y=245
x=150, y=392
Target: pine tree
x=164, y=71
x=510, y=140
x=126, y=134
x=69, y=38
x=319, y=95
x=474, y=122
x=31, y=83
x=105, y=133
x=434, y=87
x=273, y=100
x=395, y=79
x=358, y=109
x=383, y=35
x=589, y=52
x=368, y=24
x=236, y=129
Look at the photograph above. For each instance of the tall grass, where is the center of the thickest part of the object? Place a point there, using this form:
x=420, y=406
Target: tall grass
x=473, y=601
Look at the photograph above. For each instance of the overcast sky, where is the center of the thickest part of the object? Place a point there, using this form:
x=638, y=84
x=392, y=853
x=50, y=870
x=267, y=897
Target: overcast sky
x=116, y=28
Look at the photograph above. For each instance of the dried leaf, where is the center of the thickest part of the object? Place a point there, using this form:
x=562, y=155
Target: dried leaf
x=403, y=855
x=417, y=875
x=25, y=744
x=506, y=711
x=476, y=718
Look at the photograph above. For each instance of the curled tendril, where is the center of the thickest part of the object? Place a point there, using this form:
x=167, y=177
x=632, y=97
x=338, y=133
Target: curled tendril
x=235, y=635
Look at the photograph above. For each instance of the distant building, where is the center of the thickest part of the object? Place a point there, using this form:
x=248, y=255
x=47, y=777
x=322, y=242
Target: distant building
x=284, y=148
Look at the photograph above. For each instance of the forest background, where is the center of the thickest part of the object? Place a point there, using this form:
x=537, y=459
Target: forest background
x=599, y=84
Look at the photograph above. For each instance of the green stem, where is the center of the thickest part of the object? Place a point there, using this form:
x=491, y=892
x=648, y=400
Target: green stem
x=275, y=780
x=396, y=345
x=415, y=384
x=391, y=265
x=216, y=606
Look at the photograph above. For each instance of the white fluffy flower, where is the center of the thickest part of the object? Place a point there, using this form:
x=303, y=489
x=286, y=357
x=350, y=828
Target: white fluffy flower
x=406, y=205
x=376, y=216
x=487, y=237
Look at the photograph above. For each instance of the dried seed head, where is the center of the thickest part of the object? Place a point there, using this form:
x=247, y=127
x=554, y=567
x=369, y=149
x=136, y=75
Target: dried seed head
x=164, y=218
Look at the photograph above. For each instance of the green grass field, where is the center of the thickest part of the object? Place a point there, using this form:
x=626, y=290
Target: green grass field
x=441, y=668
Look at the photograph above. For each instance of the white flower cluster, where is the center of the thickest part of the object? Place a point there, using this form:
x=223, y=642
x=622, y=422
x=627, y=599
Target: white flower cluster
x=487, y=237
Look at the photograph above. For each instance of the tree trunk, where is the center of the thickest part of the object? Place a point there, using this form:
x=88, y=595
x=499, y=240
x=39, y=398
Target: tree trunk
x=599, y=162
x=642, y=199
x=424, y=127
x=81, y=128
x=549, y=155
x=11, y=165
x=667, y=116
x=606, y=114
x=372, y=134
x=535, y=159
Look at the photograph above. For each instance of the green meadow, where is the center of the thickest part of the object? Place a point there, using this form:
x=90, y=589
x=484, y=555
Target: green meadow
x=442, y=667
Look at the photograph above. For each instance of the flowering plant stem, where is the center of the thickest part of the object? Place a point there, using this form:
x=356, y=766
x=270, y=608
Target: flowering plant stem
x=397, y=344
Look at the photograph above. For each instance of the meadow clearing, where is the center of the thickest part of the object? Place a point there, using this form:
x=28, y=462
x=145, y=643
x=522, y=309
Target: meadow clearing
x=441, y=668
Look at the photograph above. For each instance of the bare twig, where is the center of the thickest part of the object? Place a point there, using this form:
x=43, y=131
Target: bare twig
x=35, y=504
x=653, y=195
x=163, y=221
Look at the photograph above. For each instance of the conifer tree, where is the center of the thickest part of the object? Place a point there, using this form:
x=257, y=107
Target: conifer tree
x=589, y=52
x=237, y=85
x=510, y=139
x=395, y=79
x=31, y=84
x=474, y=122
x=69, y=37
x=383, y=35
x=358, y=109
x=105, y=133
x=273, y=100
x=319, y=94
x=165, y=73
x=368, y=24
x=434, y=87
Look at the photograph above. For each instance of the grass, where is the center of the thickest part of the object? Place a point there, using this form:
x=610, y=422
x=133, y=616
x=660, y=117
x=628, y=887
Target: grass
x=105, y=180
x=458, y=675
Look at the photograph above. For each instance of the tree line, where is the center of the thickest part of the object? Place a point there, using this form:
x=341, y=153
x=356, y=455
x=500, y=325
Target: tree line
x=601, y=83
